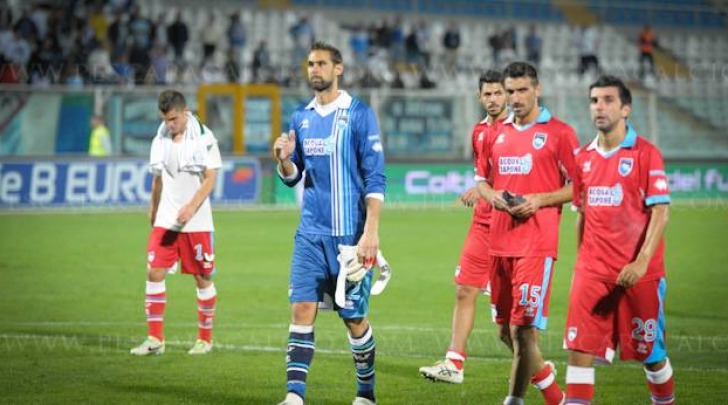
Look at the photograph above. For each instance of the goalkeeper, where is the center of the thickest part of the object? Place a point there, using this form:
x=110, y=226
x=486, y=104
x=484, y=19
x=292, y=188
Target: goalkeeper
x=335, y=140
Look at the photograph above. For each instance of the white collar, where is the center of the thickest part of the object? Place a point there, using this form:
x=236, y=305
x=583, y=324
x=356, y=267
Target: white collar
x=342, y=101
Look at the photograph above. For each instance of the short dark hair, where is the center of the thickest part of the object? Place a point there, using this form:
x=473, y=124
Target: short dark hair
x=332, y=50
x=521, y=69
x=171, y=99
x=490, y=76
x=625, y=95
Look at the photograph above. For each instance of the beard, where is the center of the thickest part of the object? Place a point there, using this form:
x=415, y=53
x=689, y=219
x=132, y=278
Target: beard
x=320, y=84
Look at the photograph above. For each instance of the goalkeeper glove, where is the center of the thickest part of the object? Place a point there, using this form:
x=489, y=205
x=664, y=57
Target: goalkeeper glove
x=349, y=263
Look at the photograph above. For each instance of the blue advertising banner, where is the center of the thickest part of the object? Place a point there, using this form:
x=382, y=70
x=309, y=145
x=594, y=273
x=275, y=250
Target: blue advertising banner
x=64, y=183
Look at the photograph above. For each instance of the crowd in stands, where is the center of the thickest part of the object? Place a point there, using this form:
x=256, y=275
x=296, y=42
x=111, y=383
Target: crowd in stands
x=91, y=42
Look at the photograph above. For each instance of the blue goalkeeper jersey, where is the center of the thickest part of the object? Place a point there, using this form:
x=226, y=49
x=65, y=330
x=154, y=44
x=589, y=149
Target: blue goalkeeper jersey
x=340, y=149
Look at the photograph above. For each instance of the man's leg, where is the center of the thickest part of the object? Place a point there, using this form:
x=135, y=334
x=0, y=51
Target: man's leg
x=206, y=302
x=579, y=378
x=299, y=353
x=363, y=351
x=155, y=301
x=463, y=318
x=660, y=382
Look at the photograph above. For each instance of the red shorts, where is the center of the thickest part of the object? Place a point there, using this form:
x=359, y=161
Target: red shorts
x=474, y=267
x=520, y=290
x=194, y=249
x=603, y=316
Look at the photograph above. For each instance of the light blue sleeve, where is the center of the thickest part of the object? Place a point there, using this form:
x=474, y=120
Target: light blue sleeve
x=370, y=151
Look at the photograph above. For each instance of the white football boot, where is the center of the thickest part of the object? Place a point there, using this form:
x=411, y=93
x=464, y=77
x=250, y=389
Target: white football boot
x=150, y=346
x=444, y=371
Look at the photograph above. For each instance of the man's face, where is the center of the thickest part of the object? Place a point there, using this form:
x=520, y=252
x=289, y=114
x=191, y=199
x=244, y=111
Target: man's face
x=175, y=119
x=522, y=95
x=493, y=98
x=322, y=72
x=606, y=108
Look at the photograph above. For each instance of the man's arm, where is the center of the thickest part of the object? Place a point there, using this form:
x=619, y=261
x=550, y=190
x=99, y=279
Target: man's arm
x=579, y=229
x=494, y=197
x=156, y=195
x=632, y=272
x=369, y=242
x=188, y=210
x=536, y=201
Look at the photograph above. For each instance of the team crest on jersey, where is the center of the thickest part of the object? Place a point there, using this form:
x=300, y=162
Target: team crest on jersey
x=539, y=140
x=480, y=136
x=625, y=166
x=501, y=138
x=571, y=334
x=587, y=166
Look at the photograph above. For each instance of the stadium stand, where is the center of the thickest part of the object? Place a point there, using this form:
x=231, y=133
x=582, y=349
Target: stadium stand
x=693, y=102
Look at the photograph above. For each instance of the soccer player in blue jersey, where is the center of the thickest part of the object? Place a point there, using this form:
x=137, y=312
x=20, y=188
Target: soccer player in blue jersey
x=335, y=139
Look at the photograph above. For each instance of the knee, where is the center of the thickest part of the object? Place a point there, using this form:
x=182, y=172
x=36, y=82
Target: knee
x=523, y=335
x=303, y=313
x=467, y=293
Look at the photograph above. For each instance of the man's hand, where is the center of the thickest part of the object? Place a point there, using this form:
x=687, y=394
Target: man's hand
x=470, y=197
x=367, y=248
x=631, y=273
x=185, y=213
x=283, y=146
x=528, y=207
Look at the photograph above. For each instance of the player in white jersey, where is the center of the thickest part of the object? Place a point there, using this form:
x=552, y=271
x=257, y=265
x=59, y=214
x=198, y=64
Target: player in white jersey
x=184, y=159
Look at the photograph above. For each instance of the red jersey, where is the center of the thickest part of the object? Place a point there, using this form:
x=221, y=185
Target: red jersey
x=483, y=209
x=614, y=191
x=536, y=159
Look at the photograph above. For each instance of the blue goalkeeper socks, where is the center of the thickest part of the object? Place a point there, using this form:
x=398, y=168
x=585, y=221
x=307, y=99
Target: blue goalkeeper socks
x=298, y=359
x=363, y=350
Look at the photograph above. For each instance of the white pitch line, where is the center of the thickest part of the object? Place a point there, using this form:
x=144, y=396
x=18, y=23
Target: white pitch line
x=282, y=349
x=389, y=328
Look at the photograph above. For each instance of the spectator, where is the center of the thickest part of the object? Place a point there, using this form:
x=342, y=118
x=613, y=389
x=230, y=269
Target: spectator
x=237, y=36
x=261, y=61
x=424, y=46
x=160, y=32
x=98, y=22
x=496, y=45
x=647, y=43
x=534, y=43
x=211, y=36
x=359, y=43
x=100, y=140
x=178, y=36
x=232, y=66
x=451, y=42
x=159, y=63
x=398, y=41
x=302, y=35
x=118, y=34
x=140, y=29
x=586, y=40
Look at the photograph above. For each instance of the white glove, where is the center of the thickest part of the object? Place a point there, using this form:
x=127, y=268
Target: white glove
x=349, y=263
x=385, y=273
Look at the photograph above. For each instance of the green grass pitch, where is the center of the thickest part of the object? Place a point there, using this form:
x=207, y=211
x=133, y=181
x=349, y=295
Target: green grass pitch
x=72, y=290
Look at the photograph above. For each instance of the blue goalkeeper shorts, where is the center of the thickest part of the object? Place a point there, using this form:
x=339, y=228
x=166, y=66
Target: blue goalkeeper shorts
x=314, y=270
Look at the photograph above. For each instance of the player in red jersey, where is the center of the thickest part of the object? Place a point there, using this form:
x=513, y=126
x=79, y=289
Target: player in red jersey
x=532, y=158
x=618, y=291
x=471, y=275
